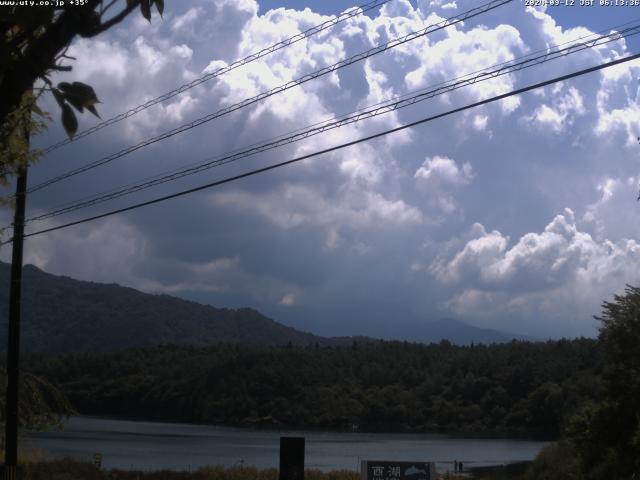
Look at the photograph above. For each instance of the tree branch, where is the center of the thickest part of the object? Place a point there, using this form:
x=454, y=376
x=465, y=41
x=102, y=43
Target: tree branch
x=105, y=8
x=131, y=6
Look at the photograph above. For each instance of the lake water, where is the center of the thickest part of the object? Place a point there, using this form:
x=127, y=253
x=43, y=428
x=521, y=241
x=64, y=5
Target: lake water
x=152, y=446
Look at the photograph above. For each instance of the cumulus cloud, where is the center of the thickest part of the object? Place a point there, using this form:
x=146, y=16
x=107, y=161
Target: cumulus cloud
x=448, y=218
x=437, y=178
x=306, y=206
x=540, y=273
x=561, y=114
x=444, y=170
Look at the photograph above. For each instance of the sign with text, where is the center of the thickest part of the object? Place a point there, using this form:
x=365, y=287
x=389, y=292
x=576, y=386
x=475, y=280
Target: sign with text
x=390, y=470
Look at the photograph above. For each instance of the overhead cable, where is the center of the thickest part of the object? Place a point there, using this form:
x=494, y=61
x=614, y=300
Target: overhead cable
x=286, y=86
x=617, y=29
x=337, y=147
x=353, y=12
x=377, y=110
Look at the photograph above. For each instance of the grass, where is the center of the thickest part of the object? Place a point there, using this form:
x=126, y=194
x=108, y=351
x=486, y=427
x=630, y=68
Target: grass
x=512, y=471
x=69, y=469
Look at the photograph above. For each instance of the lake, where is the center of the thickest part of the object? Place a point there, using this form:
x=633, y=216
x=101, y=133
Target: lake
x=153, y=446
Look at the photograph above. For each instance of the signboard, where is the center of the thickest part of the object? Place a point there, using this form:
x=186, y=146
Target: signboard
x=390, y=470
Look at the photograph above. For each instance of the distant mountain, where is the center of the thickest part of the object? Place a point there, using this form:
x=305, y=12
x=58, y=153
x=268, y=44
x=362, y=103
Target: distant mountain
x=461, y=333
x=60, y=314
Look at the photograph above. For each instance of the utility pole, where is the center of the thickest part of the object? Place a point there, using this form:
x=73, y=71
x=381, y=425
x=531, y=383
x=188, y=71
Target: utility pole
x=13, y=351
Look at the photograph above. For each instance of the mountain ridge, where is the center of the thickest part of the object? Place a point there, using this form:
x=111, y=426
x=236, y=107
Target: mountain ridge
x=62, y=314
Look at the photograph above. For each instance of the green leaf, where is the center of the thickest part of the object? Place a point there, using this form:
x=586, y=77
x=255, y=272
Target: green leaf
x=58, y=95
x=79, y=94
x=69, y=120
x=93, y=110
x=77, y=104
x=86, y=92
x=160, y=6
x=145, y=9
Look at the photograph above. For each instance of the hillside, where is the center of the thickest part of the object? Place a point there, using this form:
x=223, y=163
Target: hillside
x=61, y=314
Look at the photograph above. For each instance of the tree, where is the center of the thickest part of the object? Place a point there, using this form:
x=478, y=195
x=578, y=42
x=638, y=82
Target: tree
x=35, y=40
x=34, y=43
x=606, y=434
x=43, y=404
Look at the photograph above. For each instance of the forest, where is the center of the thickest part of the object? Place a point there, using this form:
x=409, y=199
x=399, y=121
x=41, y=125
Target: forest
x=518, y=388
x=584, y=393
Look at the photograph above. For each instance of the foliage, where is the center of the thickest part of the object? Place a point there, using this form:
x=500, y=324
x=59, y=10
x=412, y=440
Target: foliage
x=507, y=471
x=34, y=43
x=557, y=461
x=515, y=388
x=42, y=405
x=68, y=469
x=606, y=434
x=20, y=124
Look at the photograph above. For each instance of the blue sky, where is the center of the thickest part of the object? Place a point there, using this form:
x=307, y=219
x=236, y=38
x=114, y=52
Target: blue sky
x=520, y=215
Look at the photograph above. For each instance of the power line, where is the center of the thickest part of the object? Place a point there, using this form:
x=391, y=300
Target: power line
x=293, y=83
x=616, y=30
x=337, y=147
x=353, y=12
x=378, y=109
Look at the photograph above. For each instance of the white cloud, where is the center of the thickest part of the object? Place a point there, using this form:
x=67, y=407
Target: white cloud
x=187, y=20
x=617, y=102
x=547, y=273
x=443, y=169
x=480, y=122
x=437, y=178
x=616, y=209
x=625, y=120
x=295, y=206
x=463, y=52
x=562, y=112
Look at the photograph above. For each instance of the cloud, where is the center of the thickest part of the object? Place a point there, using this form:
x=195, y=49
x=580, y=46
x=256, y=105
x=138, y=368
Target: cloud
x=437, y=178
x=539, y=274
x=561, y=115
x=463, y=52
x=462, y=216
x=444, y=170
x=308, y=207
x=288, y=300
x=615, y=209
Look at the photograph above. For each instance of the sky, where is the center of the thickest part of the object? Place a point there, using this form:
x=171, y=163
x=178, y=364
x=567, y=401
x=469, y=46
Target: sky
x=519, y=215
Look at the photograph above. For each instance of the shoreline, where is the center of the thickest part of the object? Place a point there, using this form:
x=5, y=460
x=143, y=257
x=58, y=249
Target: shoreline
x=280, y=427
x=178, y=447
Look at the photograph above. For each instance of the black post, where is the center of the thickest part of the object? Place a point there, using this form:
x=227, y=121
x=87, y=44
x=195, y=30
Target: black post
x=13, y=352
x=291, y=458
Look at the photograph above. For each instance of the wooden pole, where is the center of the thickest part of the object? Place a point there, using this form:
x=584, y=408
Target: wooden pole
x=13, y=351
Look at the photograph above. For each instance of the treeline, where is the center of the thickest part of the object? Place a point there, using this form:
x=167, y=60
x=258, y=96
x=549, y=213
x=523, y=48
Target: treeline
x=514, y=388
